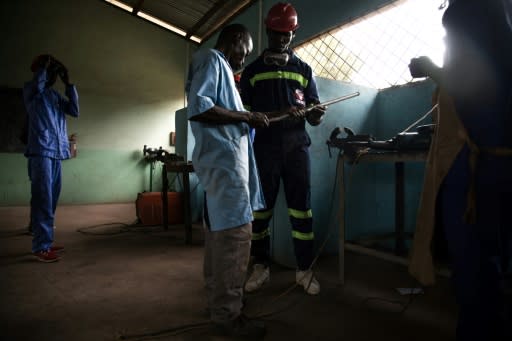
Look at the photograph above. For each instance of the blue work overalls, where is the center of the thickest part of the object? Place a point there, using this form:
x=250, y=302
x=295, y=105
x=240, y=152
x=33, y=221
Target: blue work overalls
x=282, y=152
x=47, y=146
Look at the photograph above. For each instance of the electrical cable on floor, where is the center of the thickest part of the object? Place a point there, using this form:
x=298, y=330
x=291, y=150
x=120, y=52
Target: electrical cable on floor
x=260, y=314
x=404, y=305
x=124, y=228
x=166, y=332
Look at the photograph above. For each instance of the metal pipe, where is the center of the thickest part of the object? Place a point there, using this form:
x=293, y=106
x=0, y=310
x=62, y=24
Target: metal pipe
x=326, y=103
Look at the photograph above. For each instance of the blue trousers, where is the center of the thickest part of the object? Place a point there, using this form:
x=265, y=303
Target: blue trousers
x=46, y=179
x=480, y=255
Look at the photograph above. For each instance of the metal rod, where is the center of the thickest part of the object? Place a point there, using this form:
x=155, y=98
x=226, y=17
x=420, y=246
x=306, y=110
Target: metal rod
x=326, y=103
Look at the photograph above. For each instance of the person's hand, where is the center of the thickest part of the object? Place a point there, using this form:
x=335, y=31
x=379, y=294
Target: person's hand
x=63, y=74
x=47, y=62
x=53, y=65
x=316, y=115
x=295, y=112
x=258, y=120
x=421, y=67
x=60, y=70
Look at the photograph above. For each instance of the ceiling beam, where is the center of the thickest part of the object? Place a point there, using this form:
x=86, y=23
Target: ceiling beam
x=245, y=4
x=215, y=8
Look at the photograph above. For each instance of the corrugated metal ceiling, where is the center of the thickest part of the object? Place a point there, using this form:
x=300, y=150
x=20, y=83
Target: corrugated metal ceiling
x=196, y=19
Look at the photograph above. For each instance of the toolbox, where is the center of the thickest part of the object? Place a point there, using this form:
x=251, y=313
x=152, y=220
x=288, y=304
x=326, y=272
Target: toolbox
x=148, y=207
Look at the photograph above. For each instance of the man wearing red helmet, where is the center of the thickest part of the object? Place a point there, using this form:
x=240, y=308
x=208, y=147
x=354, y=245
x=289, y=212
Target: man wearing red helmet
x=279, y=82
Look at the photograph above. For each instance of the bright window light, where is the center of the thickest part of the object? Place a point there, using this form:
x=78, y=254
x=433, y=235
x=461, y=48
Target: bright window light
x=120, y=5
x=375, y=50
x=161, y=23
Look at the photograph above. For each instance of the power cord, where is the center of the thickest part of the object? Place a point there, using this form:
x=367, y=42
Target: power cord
x=86, y=230
x=265, y=315
x=173, y=331
x=125, y=228
x=403, y=305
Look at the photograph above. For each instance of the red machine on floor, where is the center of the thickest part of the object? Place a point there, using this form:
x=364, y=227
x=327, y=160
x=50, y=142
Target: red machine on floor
x=149, y=208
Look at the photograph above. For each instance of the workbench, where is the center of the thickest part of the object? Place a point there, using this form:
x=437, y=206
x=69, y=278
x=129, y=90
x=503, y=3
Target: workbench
x=398, y=158
x=184, y=168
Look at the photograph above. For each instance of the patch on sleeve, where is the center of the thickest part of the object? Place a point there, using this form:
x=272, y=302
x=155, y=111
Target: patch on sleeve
x=299, y=97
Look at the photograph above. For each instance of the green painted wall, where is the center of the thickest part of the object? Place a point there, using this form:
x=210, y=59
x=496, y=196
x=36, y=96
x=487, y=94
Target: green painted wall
x=398, y=108
x=129, y=74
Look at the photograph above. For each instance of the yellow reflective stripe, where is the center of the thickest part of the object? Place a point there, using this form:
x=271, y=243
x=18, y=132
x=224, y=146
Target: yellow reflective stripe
x=279, y=75
x=262, y=214
x=261, y=235
x=302, y=236
x=300, y=214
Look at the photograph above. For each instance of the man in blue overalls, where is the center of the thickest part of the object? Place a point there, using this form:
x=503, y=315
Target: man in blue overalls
x=47, y=146
x=279, y=82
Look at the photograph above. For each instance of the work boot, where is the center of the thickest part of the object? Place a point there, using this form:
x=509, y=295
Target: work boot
x=57, y=248
x=242, y=327
x=46, y=256
x=308, y=281
x=260, y=275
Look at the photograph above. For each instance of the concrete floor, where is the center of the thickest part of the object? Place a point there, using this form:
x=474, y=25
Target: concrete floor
x=116, y=282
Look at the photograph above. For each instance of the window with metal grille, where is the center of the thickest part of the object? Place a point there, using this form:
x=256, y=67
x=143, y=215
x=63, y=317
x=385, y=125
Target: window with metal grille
x=375, y=50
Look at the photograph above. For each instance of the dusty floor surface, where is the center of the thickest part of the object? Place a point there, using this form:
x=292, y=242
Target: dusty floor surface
x=117, y=281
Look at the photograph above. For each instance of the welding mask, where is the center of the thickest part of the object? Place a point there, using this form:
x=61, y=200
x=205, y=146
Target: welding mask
x=273, y=58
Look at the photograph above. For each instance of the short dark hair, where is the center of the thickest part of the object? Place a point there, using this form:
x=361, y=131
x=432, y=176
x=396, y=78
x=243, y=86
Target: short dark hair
x=228, y=32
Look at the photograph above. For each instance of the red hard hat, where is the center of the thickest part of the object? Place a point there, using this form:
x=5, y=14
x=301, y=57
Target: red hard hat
x=282, y=17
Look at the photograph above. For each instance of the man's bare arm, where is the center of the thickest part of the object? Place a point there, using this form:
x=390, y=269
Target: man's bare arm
x=220, y=115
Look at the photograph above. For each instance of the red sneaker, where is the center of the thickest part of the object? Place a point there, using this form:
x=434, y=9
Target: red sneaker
x=56, y=248
x=46, y=256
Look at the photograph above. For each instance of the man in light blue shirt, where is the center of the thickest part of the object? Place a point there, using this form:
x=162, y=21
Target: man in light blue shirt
x=224, y=162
